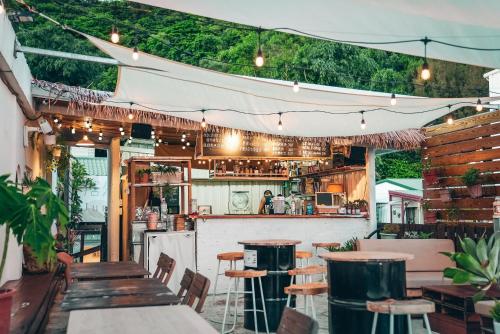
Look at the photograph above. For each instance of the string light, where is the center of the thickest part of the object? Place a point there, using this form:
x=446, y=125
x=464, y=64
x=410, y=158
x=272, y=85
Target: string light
x=115, y=37
x=183, y=147
x=393, y=99
x=90, y=128
x=135, y=54
x=426, y=73
x=259, y=60
x=479, y=105
x=87, y=124
x=159, y=140
x=183, y=140
x=100, y=135
x=59, y=125
x=450, y=117
x=73, y=130
x=183, y=135
x=296, y=87
x=203, y=121
x=280, y=124
x=56, y=120
x=121, y=131
x=130, y=140
x=130, y=114
x=188, y=144
x=363, y=122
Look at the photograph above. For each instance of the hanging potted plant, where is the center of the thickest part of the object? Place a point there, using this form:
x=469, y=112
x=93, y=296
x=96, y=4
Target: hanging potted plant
x=472, y=179
x=390, y=231
x=29, y=217
x=430, y=174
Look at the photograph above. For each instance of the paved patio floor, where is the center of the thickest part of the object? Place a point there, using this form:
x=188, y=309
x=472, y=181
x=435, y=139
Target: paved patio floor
x=214, y=313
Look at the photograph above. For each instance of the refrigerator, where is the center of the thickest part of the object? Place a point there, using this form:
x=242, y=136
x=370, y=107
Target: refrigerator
x=181, y=246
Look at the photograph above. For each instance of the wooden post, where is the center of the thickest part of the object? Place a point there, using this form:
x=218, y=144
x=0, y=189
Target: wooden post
x=371, y=183
x=125, y=220
x=114, y=200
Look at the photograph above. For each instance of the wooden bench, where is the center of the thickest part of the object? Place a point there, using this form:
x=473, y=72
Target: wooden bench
x=32, y=301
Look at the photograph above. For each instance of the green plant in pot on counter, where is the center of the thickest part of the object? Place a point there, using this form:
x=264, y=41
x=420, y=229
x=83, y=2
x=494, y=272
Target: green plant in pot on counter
x=349, y=245
x=495, y=314
x=29, y=217
x=390, y=231
x=478, y=264
x=472, y=179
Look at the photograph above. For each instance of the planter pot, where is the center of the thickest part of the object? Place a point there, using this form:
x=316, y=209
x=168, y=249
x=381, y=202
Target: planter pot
x=496, y=326
x=152, y=223
x=431, y=177
x=5, y=309
x=144, y=178
x=475, y=191
x=430, y=217
x=445, y=195
x=388, y=236
x=167, y=178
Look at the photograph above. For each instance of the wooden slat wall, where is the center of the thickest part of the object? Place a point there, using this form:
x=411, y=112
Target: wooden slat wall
x=472, y=142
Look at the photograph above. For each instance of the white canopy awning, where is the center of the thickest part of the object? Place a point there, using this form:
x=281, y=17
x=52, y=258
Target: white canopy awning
x=467, y=23
x=156, y=84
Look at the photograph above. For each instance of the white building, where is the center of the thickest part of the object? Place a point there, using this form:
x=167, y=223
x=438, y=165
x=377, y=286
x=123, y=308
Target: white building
x=399, y=201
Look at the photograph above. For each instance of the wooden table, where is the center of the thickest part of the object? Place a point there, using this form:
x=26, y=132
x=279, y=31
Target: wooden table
x=454, y=308
x=117, y=293
x=107, y=270
x=179, y=319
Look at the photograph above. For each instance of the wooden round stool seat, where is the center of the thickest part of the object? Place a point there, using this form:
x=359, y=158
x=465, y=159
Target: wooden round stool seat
x=391, y=306
x=303, y=255
x=309, y=270
x=326, y=244
x=307, y=289
x=246, y=273
x=230, y=256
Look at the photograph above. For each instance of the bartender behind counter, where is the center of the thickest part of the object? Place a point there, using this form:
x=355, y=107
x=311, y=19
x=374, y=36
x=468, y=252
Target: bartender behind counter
x=266, y=203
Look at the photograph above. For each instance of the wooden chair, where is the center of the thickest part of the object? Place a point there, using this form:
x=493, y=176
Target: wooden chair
x=165, y=268
x=67, y=260
x=294, y=322
x=197, y=290
x=233, y=258
x=303, y=256
x=186, y=281
x=308, y=288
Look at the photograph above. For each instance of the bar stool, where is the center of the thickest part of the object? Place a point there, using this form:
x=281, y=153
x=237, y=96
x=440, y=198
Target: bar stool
x=308, y=288
x=317, y=245
x=233, y=258
x=252, y=275
x=401, y=307
x=303, y=255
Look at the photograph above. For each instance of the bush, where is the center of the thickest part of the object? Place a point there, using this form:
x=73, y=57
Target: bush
x=471, y=177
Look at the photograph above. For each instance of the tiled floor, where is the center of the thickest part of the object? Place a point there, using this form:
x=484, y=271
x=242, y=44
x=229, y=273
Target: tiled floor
x=214, y=313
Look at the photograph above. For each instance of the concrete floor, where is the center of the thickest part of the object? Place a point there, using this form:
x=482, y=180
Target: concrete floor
x=214, y=313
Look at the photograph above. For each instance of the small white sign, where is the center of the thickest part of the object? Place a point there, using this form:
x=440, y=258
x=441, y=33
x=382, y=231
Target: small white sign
x=250, y=258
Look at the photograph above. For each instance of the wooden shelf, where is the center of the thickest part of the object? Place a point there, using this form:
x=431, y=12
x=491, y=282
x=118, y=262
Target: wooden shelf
x=250, y=177
x=329, y=172
x=140, y=185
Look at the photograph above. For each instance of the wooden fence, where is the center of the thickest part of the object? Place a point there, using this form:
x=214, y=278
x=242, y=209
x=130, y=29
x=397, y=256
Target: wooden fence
x=449, y=151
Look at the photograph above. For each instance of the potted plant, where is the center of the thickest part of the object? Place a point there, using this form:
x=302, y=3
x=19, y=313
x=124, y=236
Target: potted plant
x=477, y=264
x=142, y=175
x=495, y=314
x=363, y=205
x=429, y=216
x=29, y=217
x=166, y=174
x=472, y=179
x=348, y=246
x=390, y=231
x=153, y=219
x=430, y=174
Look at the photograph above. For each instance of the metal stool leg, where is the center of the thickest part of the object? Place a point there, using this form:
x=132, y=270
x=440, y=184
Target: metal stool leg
x=305, y=305
x=410, y=330
x=254, y=307
x=313, y=310
x=225, y=310
x=263, y=305
x=427, y=325
x=374, y=323
x=391, y=324
x=214, y=294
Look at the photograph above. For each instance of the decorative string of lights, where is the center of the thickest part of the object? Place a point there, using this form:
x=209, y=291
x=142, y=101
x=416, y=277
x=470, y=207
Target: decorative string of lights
x=259, y=59
x=363, y=122
x=449, y=120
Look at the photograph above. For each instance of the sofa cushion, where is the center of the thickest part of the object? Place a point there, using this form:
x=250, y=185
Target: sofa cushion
x=426, y=251
x=416, y=280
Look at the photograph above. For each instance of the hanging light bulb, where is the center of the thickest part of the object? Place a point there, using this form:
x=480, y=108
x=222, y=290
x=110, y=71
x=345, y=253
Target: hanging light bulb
x=183, y=147
x=449, y=120
x=426, y=72
x=121, y=131
x=90, y=128
x=100, y=138
x=393, y=99
x=479, y=106
x=153, y=133
x=73, y=130
x=203, y=121
x=130, y=114
x=296, y=86
x=115, y=37
x=259, y=60
x=188, y=144
x=183, y=135
x=100, y=133
x=280, y=124
x=130, y=140
x=59, y=125
x=135, y=54
x=157, y=144
x=363, y=123
x=159, y=140
x=56, y=120
x=87, y=124
x=183, y=140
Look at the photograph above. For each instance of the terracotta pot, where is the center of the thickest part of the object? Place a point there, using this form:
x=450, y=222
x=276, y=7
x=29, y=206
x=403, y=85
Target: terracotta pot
x=5, y=309
x=430, y=217
x=431, y=177
x=475, y=191
x=152, y=223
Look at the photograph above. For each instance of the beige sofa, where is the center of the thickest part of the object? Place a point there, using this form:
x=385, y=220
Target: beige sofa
x=427, y=266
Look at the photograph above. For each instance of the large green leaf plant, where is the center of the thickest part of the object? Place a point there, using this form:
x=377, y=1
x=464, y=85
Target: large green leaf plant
x=478, y=264
x=29, y=217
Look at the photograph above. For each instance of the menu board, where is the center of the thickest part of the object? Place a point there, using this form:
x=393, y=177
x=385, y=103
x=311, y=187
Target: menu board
x=220, y=143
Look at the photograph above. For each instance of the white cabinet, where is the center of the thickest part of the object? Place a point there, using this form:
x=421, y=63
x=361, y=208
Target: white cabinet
x=178, y=245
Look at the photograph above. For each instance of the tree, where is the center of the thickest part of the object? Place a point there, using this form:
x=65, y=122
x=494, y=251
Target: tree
x=80, y=181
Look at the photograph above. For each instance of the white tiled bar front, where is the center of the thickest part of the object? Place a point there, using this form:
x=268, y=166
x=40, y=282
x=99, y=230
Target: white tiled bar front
x=220, y=234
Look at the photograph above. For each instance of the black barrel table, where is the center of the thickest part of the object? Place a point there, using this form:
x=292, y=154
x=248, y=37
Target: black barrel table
x=357, y=277
x=277, y=257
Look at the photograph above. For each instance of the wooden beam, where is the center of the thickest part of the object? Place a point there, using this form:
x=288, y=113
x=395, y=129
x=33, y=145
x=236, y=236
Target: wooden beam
x=114, y=201
x=464, y=123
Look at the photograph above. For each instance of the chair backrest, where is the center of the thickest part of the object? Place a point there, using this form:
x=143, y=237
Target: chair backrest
x=426, y=251
x=165, y=268
x=186, y=281
x=67, y=260
x=197, y=290
x=294, y=322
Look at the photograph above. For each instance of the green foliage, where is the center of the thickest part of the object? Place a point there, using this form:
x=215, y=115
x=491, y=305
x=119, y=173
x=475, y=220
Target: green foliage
x=417, y=235
x=404, y=164
x=163, y=169
x=348, y=246
x=495, y=311
x=471, y=177
x=30, y=217
x=80, y=181
x=478, y=264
